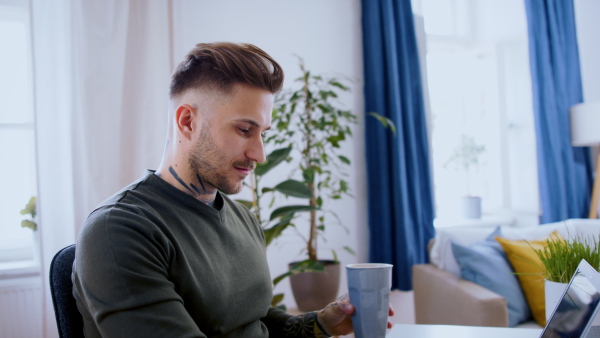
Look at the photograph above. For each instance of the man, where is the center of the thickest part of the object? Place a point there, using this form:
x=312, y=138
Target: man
x=171, y=255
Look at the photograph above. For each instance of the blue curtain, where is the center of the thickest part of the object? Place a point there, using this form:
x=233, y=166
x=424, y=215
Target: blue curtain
x=565, y=172
x=398, y=171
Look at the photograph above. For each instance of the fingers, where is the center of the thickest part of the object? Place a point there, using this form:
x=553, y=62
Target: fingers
x=344, y=298
x=339, y=307
x=346, y=307
x=391, y=313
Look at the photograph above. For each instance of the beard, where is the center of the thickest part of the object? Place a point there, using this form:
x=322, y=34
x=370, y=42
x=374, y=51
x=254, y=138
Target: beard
x=209, y=162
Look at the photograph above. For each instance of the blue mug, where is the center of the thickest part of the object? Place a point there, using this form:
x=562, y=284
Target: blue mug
x=369, y=285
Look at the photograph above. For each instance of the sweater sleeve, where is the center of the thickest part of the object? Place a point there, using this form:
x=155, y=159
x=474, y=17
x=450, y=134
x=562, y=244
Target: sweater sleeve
x=275, y=321
x=121, y=280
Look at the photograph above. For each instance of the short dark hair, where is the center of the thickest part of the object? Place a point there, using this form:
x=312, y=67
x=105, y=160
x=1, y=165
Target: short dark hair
x=220, y=65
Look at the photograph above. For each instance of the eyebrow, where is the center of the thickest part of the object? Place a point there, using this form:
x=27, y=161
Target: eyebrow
x=251, y=122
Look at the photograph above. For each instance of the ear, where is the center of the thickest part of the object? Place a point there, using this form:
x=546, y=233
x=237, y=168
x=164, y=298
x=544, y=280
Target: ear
x=185, y=120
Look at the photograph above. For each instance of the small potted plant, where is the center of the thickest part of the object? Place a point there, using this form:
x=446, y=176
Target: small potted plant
x=559, y=260
x=466, y=157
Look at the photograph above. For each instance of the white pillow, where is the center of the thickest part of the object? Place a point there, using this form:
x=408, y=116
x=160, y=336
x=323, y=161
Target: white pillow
x=441, y=253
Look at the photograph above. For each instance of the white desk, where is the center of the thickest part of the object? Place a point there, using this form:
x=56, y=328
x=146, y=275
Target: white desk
x=451, y=331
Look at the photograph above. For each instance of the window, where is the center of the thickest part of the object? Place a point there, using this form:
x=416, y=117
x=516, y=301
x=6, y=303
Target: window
x=480, y=98
x=17, y=133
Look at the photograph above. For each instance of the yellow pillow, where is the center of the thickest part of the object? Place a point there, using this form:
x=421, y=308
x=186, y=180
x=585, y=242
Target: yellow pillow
x=530, y=273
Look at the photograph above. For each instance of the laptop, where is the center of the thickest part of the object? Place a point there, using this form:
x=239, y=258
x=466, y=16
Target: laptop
x=575, y=316
x=576, y=312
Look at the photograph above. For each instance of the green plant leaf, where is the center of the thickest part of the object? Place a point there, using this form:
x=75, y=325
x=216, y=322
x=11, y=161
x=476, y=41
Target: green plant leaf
x=324, y=108
x=307, y=266
x=335, y=139
x=273, y=159
x=344, y=159
x=387, y=123
x=276, y=230
x=28, y=224
x=29, y=208
x=291, y=209
x=281, y=277
x=278, y=298
x=343, y=186
x=308, y=174
x=339, y=85
x=294, y=188
x=347, y=248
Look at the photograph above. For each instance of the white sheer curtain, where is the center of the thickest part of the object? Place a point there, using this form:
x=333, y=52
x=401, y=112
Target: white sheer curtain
x=101, y=81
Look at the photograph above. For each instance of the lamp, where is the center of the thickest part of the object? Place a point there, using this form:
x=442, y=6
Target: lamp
x=585, y=132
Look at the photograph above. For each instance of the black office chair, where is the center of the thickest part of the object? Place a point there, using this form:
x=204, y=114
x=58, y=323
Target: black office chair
x=68, y=318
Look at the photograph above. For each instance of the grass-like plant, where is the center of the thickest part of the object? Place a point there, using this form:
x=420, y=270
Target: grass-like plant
x=561, y=257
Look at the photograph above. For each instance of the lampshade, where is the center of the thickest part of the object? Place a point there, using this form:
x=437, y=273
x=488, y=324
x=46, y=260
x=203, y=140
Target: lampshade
x=585, y=124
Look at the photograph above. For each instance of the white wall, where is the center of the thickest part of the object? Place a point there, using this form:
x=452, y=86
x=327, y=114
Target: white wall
x=588, y=26
x=327, y=35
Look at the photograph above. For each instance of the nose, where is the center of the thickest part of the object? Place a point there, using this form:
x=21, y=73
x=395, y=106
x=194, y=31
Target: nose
x=256, y=151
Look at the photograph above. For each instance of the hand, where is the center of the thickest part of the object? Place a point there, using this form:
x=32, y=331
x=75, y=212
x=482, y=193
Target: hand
x=335, y=318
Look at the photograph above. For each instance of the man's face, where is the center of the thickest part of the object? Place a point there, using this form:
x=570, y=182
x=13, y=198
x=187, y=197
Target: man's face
x=229, y=142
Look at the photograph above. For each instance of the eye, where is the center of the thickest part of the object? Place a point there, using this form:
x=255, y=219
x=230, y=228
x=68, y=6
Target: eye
x=244, y=130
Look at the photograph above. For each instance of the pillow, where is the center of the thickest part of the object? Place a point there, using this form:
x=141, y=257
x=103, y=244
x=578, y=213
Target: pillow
x=529, y=269
x=441, y=252
x=485, y=263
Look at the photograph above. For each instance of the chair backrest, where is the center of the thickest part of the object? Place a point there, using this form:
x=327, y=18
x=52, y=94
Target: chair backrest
x=68, y=318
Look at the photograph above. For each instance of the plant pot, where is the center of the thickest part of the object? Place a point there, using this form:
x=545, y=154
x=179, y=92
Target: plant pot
x=314, y=290
x=553, y=292
x=471, y=207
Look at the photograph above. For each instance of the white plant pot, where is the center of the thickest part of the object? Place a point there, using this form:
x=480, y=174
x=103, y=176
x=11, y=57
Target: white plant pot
x=471, y=207
x=553, y=293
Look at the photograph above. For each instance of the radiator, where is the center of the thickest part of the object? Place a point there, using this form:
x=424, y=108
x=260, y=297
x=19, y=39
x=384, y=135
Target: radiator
x=21, y=307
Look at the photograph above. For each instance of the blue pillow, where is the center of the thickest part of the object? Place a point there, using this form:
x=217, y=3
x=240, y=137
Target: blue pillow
x=486, y=264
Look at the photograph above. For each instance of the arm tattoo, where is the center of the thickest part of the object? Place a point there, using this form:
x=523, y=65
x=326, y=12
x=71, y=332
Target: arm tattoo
x=303, y=326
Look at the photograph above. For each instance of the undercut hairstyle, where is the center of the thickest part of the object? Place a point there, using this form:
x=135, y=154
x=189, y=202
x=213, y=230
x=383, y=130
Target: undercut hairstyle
x=221, y=65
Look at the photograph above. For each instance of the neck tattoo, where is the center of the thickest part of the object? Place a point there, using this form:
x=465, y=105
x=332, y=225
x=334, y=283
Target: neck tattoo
x=195, y=191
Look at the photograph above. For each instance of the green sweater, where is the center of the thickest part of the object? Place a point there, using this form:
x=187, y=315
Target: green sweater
x=152, y=261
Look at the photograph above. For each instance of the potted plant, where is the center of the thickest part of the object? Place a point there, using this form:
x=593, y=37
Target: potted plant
x=559, y=260
x=465, y=157
x=308, y=127
x=308, y=130
x=311, y=120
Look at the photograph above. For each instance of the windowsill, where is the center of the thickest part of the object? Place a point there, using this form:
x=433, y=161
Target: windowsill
x=484, y=221
x=19, y=269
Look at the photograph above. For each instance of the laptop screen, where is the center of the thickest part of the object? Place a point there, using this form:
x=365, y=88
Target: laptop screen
x=575, y=310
